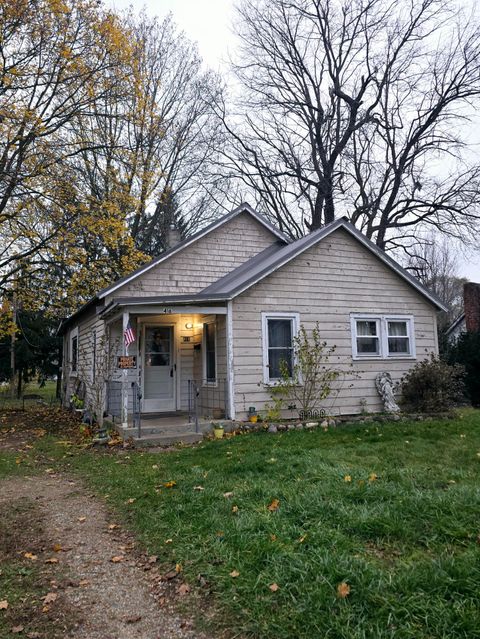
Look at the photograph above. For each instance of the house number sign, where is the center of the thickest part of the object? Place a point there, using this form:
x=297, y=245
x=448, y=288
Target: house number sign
x=126, y=361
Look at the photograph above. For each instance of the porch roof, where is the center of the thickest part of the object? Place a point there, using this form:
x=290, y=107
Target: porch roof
x=167, y=304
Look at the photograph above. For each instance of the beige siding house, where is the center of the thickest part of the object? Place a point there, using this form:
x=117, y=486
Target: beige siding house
x=211, y=319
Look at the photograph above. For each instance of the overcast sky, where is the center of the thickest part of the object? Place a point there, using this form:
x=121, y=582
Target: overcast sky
x=209, y=23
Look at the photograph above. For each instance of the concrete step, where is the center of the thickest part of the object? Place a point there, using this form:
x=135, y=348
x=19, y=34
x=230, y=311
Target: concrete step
x=167, y=440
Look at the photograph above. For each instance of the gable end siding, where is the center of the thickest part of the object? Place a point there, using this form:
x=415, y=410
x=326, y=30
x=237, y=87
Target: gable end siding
x=328, y=282
x=203, y=262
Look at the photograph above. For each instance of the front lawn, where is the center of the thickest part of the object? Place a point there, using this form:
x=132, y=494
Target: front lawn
x=388, y=514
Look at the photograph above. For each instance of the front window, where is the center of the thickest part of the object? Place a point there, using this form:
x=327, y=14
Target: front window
x=383, y=337
x=278, y=334
x=398, y=339
x=210, y=352
x=368, y=337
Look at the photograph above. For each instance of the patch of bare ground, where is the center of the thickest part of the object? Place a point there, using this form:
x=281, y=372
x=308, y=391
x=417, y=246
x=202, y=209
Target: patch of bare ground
x=102, y=585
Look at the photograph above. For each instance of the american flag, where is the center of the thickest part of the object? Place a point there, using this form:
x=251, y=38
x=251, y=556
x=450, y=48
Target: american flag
x=129, y=335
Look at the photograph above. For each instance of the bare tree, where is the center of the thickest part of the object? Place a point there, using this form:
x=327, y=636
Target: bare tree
x=357, y=108
x=434, y=262
x=155, y=146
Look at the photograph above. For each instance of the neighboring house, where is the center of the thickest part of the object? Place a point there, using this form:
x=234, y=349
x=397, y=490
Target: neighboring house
x=217, y=312
x=469, y=320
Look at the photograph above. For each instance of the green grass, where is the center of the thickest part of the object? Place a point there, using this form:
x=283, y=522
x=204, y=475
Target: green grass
x=406, y=543
x=46, y=392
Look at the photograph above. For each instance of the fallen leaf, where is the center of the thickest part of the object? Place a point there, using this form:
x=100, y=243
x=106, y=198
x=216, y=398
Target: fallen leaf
x=112, y=526
x=57, y=548
x=178, y=568
x=81, y=519
x=152, y=559
x=29, y=555
x=228, y=495
x=171, y=574
x=274, y=587
x=234, y=509
x=343, y=590
x=273, y=537
x=3, y=604
x=155, y=466
x=372, y=477
x=168, y=541
x=170, y=484
x=183, y=589
x=117, y=559
x=234, y=574
x=51, y=560
x=198, y=488
x=18, y=460
x=83, y=583
x=347, y=478
x=274, y=505
x=302, y=539
x=50, y=598
x=17, y=630
x=131, y=500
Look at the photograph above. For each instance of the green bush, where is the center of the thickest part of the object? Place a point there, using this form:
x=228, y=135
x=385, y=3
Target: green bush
x=433, y=386
x=466, y=351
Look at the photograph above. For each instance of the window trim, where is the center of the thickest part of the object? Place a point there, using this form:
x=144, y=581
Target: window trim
x=73, y=335
x=205, y=381
x=295, y=317
x=383, y=335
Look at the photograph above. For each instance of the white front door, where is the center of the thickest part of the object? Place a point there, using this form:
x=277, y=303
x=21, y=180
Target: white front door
x=159, y=377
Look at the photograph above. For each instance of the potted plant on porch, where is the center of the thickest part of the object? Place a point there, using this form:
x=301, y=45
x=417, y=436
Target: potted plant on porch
x=218, y=430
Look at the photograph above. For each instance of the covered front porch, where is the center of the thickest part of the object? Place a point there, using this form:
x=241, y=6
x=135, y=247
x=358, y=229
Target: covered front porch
x=173, y=378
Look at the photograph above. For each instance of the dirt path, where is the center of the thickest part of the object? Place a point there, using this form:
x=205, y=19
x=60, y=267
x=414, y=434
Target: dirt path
x=114, y=600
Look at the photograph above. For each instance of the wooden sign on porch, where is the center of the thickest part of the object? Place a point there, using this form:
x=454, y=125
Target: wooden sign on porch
x=127, y=361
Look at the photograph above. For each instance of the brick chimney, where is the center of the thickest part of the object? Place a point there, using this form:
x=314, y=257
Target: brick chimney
x=471, y=298
x=173, y=236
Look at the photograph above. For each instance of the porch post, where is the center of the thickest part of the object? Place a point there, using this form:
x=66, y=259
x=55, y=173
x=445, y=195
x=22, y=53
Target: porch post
x=230, y=369
x=126, y=317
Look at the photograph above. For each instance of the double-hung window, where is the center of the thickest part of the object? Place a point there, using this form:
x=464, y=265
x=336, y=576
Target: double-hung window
x=278, y=331
x=382, y=336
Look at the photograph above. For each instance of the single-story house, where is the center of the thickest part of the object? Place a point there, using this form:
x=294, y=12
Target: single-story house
x=210, y=319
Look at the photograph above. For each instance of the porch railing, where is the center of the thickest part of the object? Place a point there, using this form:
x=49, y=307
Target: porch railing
x=136, y=404
x=207, y=399
x=114, y=398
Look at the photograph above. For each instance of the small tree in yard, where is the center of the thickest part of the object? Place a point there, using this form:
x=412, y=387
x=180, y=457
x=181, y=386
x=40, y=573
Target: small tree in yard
x=97, y=375
x=311, y=378
x=433, y=386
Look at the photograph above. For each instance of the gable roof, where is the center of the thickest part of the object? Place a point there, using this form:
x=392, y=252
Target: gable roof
x=262, y=265
x=243, y=208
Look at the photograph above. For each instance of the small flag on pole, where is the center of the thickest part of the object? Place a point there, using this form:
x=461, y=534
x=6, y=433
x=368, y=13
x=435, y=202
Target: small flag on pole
x=129, y=335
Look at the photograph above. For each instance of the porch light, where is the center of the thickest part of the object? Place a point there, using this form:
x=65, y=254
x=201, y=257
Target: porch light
x=189, y=326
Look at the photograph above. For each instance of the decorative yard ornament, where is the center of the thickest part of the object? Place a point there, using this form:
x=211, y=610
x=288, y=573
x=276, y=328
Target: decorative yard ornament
x=386, y=390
